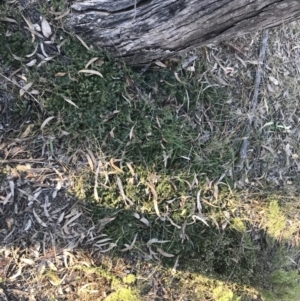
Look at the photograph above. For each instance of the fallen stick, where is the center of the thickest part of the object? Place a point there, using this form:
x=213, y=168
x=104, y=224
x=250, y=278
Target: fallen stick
x=262, y=54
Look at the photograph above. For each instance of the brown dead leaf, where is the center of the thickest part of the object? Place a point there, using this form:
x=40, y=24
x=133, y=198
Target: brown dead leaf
x=155, y=197
x=27, y=131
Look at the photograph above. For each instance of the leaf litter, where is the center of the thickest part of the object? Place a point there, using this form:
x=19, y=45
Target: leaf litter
x=67, y=225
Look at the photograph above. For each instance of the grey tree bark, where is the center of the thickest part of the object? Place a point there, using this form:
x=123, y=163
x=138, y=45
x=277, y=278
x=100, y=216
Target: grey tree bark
x=141, y=31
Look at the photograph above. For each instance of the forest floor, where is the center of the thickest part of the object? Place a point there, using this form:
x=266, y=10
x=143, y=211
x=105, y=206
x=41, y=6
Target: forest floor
x=121, y=183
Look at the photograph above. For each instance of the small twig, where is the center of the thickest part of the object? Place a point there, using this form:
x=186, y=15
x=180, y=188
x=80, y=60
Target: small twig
x=234, y=48
x=262, y=54
x=41, y=160
x=134, y=10
x=16, y=84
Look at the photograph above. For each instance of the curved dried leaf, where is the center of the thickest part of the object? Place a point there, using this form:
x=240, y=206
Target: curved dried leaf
x=59, y=74
x=46, y=29
x=31, y=63
x=91, y=61
x=34, y=32
x=25, y=88
x=6, y=19
x=28, y=225
x=111, y=246
x=28, y=22
x=156, y=241
x=27, y=131
x=160, y=64
x=172, y=223
x=164, y=253
x=38, y=219
x=145, y=221
x=65, y=13
x=70, y=102
x=71, y=220
x=129, y=247
x=60, y=45
x=33, y=53
x=35, y=92
x=37, y=27
x=61, y=217
x=94, y=72
x=27, y=261
x=49, y=58
x=200, y=218
x=17, y=57
x=155, y=197
x=43, y=50
x=47, y=120
x=131, y=133
x=136, y=215
x=82, y=42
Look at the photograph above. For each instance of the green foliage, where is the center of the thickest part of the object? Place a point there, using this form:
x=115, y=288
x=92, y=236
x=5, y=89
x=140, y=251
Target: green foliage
x=121, y=289
x=275, y=220
x=285, y=286
x=224, y=294
x=150, y=117
x=238, y=225
x=129, y=279
x=123, y=294
x=13, y=42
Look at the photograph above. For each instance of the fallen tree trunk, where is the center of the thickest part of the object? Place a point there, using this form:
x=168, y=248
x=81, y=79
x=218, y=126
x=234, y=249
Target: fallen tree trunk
x=141, y=31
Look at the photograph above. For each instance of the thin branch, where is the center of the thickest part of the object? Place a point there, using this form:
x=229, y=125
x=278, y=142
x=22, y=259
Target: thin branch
x=262, y=54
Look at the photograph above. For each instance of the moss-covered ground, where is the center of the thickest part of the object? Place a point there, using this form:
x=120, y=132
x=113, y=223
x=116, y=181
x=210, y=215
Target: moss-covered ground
x=153, y=151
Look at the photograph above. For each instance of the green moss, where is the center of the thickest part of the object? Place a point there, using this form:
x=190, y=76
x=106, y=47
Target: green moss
x=17, y=43
x=123, y=294
x=53, y=277
x=129, y=279
x=119, y=286
x=146, y=116
x=285, y=286
x=238, y=225
x=223, y=294
x=275, y=220
x=98, y=271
